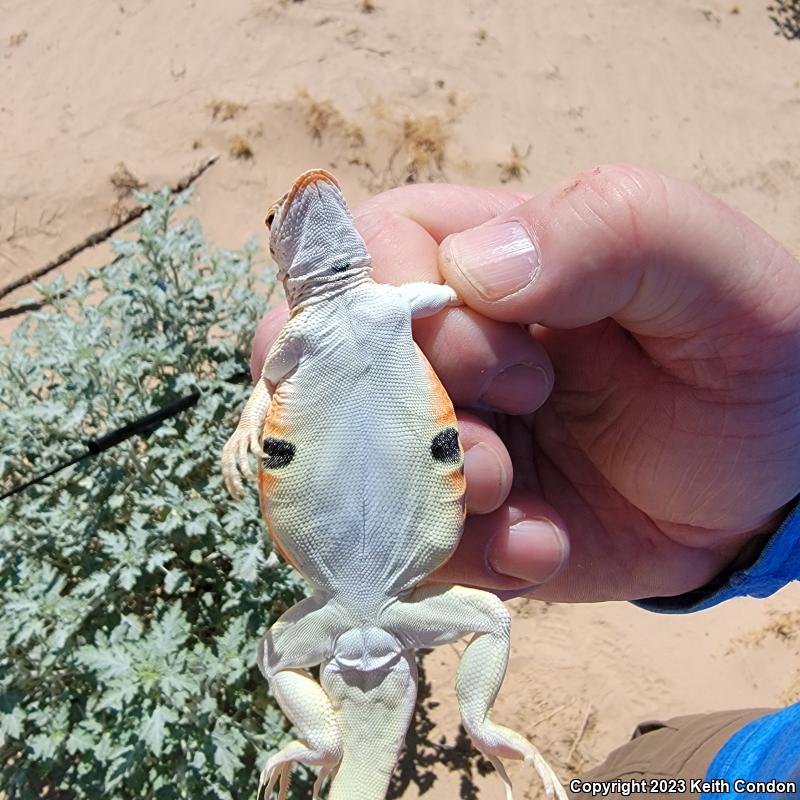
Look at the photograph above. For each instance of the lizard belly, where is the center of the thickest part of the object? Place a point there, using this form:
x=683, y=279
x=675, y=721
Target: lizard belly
x=366, y=498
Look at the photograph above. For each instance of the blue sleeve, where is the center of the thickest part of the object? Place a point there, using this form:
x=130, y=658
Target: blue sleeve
x=777, y=564
x=768, y=749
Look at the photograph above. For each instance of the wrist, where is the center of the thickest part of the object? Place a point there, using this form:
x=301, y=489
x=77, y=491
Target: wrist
x=767, y=561
x=752, y=544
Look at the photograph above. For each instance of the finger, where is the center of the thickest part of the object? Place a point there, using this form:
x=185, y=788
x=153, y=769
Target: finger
x=266, y=333
x=487, y=466
x=482, y=363
x=618, y=241
x=403, y=227
x=522, y=544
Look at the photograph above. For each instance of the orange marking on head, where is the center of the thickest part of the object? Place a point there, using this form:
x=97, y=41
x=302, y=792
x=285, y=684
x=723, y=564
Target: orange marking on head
x=307, y=179
x=442, y=404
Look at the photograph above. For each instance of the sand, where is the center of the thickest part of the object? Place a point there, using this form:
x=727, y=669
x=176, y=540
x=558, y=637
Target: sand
x=96, y=97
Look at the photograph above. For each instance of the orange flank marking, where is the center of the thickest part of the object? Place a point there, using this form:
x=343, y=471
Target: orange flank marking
x=267, y=481
x=442, y=404
x=445, y=416
x=456, y=477
x=262, y=494
x=274, y=424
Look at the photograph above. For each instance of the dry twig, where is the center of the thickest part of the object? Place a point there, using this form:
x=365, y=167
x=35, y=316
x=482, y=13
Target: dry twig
x=579, y=734
x=100, y=236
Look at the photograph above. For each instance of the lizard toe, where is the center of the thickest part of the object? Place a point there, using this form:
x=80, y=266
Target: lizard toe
x=552, y=785
x=243, y=452
x=324, y=773
x=230, y=475
x=254, y=440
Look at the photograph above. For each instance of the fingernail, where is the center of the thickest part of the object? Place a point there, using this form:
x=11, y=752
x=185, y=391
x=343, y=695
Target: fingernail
x=534, y=551
x=519, y=389
x=497, y=260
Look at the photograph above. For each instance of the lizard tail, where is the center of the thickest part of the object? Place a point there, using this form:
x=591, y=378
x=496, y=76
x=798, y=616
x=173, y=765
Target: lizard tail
x=375, y=708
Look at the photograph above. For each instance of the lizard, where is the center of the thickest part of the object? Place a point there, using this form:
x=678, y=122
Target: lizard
x=361, y=485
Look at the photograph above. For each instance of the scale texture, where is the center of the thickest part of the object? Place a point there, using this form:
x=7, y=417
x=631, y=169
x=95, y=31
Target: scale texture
x=362, y=488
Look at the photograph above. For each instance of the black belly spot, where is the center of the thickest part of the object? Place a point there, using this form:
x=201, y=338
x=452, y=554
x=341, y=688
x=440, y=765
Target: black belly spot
x=444, y=446
x=279, y=452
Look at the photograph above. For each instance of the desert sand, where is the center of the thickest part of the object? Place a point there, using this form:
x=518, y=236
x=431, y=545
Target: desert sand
x=96, y=97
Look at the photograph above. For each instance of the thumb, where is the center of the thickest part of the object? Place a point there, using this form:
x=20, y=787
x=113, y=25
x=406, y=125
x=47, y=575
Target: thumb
x=622, y=242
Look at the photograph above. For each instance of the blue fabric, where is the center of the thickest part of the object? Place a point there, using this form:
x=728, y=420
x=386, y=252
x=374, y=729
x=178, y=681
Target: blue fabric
x=767, y=749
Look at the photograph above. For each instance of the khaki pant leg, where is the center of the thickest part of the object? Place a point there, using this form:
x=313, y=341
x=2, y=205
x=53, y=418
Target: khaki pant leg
x=680, y=748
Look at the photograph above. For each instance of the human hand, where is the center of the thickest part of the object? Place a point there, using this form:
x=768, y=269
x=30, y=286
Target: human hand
x=655, y=333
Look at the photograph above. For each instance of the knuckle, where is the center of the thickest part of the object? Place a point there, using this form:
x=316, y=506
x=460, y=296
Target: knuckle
x=616, y=197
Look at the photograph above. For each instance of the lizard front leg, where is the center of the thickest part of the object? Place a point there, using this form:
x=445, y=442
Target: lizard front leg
x=282, y=358
x=245, y=439
x=435, y=615
x=427, y=299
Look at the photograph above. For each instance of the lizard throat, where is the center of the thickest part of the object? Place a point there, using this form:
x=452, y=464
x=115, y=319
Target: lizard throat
x=309, y=290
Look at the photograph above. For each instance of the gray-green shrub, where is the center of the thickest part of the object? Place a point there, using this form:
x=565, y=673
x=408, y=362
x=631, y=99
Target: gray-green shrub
x=133, y=591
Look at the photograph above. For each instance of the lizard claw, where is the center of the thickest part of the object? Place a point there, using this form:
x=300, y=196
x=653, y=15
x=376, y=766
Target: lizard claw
x=455, y=300
x=255, y=442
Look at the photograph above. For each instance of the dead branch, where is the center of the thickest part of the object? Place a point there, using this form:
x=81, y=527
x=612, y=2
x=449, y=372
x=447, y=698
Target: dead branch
x=101, y=235
x=579, y=734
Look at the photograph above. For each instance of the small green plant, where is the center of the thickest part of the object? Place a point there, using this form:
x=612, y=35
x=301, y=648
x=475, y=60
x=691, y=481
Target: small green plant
x=133, y=591
x=786, y=16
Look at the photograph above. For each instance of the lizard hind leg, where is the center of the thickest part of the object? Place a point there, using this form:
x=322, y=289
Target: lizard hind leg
x=434, y=616
x=302, y=637
x=320, y=744
x=480, y=674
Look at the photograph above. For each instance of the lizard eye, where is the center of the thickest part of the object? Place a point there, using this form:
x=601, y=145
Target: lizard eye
x=270, y=218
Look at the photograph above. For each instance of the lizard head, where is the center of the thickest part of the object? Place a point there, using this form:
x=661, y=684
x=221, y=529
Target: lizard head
x=313, y=238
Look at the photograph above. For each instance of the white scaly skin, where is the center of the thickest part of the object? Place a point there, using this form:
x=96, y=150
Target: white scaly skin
x=362, y=488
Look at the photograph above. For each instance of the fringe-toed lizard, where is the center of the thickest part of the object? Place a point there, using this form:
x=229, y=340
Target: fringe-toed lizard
x=362, y=488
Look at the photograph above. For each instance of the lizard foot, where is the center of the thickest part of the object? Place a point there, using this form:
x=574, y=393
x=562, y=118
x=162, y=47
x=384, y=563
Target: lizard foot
x=279, y=767
x=552, y=785
x=270, y=775
x=435, y=615
x=324, y=773
x=496, y=740
x=235, y=456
